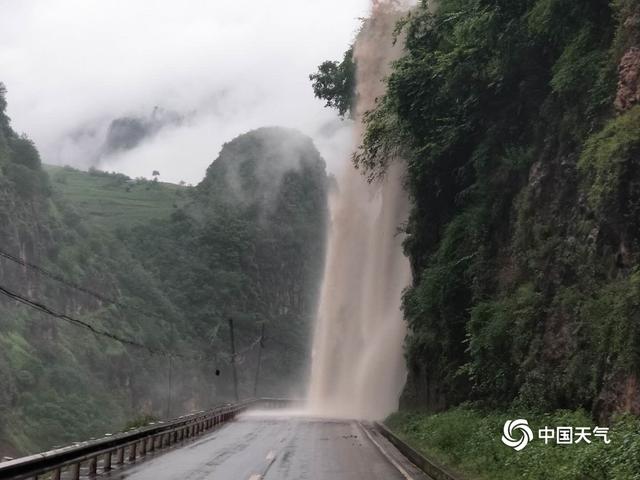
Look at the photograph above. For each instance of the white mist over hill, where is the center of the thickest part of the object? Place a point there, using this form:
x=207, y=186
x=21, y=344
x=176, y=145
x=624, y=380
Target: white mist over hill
x=226, y=67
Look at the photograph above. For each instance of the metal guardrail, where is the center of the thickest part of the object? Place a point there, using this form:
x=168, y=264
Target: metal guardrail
x=88, y=458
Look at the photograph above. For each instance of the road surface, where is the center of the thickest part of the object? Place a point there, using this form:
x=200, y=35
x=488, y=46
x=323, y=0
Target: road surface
x=275, y=447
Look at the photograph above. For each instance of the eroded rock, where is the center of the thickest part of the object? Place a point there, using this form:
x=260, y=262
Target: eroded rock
x=629, y=80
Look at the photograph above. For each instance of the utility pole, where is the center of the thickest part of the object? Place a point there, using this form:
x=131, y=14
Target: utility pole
x=255, y=383
x=233, y=360
x=170, y=387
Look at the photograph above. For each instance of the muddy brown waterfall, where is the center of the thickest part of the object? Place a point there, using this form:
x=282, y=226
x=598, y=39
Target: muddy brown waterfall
x=358, y=368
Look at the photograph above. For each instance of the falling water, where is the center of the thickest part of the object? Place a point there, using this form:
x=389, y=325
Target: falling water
x=358, y=367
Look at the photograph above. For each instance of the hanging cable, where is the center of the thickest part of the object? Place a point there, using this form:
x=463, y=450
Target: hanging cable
x=75, y=286
x=107, y=299
x=93, y=329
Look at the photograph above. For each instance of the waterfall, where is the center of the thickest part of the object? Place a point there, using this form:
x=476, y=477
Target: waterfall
x=358, y=368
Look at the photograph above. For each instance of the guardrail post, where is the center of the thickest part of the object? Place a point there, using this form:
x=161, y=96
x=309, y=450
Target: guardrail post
x=93, y=466
x=56, y=474
x=132, y=452
x=143, y=447
x=75, y=471
x=107, y=461
x=120, y=456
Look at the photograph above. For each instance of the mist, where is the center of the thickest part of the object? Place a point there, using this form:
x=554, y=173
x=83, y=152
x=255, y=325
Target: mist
x=73, y=67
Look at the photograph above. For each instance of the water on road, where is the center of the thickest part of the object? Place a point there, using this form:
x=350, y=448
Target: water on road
x=271, y=447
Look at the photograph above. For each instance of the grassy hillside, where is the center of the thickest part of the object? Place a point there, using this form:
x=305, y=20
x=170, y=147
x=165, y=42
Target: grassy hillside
x=113, y=200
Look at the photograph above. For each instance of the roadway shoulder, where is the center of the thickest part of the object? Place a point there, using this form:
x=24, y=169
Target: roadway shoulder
x=400, y=461
x=433, y=469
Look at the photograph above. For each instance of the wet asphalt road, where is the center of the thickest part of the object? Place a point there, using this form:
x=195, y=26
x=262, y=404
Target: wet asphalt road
x=271, y=447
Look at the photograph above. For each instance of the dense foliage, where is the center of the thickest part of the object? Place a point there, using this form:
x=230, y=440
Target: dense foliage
x=524, y=180
x=178, y=261
x=335, y=83
x=519, y=228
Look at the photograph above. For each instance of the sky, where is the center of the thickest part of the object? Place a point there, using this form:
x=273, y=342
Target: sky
x=225, y=66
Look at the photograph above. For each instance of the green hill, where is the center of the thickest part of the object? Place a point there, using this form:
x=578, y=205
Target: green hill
x=113, y=200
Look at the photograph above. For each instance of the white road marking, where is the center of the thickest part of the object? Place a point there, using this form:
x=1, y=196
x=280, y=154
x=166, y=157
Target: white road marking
x=399, y=467
x=271, y=456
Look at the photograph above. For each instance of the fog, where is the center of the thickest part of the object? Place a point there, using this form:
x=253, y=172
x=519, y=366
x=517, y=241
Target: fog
x=223, y=67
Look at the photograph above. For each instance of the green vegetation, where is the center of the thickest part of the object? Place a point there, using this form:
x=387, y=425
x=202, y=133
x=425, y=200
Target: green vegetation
x=113, y=200
x=524, y=236
x=247, y=244
x=608, y=163
x=140, y=422
x=335, y=83
x=469, y=440
x=250, y=246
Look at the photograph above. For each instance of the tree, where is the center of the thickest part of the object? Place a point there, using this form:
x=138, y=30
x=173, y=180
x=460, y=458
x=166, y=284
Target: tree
x=335, y=83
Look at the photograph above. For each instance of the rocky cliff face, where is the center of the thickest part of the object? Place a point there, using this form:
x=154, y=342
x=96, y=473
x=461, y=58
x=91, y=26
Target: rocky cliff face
x=629, y=84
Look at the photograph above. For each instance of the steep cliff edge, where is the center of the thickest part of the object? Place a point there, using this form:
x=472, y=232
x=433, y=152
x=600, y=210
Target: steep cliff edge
x=524, y=235
x=520, y=125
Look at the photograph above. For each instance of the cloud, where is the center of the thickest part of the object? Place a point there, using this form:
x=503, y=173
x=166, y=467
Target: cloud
x=225, y=66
